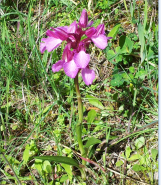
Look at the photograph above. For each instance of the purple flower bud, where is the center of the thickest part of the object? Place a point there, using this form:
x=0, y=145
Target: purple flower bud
x=83, y=19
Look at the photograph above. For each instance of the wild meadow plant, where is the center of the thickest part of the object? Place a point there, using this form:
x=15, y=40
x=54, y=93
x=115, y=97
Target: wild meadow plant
x=75, y=59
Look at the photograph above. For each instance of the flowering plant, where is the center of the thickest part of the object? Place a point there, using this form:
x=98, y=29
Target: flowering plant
x=75, y=58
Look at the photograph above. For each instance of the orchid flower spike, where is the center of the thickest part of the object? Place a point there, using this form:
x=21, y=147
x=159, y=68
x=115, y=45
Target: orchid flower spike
x=75, y=59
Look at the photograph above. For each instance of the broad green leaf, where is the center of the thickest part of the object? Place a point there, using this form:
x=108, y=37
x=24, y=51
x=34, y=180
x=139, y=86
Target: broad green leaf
x=119, y=58
x=68, y=169
x=57, y=183
x=46, y=167
x=111, y=55
x=66, y=150
x=131, y=76
x=119, y=163
x=92, y=141
x=117, y=80
x=49, y=183
x=64, y=178
x=139, y=142
x=134, y=157
x=126, y=44
x=114, y=31
x=38, y=165
x=141, y=34
x=128, y=152
x=142, y=41
x=122, y=155
x=142, y=160
x=154, y=153
x=129, y=44
x=132, y=69
x=26, y=154
x=59, y=159
x=117, y=49
x=137, y=168
x=150, y=54
x=141, y=74
x=91, y=116
x=94, y=101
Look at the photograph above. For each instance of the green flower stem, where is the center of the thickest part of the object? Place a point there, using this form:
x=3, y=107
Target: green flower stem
x=79, y=124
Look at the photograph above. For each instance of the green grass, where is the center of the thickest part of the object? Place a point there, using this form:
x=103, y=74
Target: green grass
x=39, y=107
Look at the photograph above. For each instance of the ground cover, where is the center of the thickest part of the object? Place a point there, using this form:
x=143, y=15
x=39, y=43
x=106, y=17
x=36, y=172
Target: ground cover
x=39, y=110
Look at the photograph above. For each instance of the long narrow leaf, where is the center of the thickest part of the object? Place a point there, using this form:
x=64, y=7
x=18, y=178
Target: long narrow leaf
x=59, y=159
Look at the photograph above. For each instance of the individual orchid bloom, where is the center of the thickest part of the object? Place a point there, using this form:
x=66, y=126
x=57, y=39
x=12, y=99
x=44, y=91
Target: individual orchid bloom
x=52, y=42
x=56, y=37
x=67, y=63
x=75, y=59
x=49, y=44
x=97, y=35
x=72, y=62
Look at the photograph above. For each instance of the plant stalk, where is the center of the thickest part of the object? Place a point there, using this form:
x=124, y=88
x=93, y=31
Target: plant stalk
x=79, y=124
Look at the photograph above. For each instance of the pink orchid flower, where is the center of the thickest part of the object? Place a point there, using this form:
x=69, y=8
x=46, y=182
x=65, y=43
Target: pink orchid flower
x=75, y=58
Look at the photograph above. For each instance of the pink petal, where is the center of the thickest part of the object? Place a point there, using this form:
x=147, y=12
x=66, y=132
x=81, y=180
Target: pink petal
x=100, y=41
x=90, y=24
x=83, y=19
x=90, y=32
x=61, y=34
x=50, y=44
x=70, y=69
x=72, y=38
x=100, y=29
x=42, y=47
x=81, y=59
x=88, y=76
x=51, y=33
x=59, y=65
x=72, y=28
x=67, y=54
x=65, y=28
